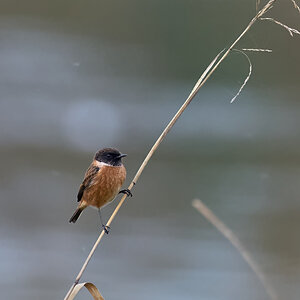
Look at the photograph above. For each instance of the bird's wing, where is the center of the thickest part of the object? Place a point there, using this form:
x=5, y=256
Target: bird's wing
x=88, y=178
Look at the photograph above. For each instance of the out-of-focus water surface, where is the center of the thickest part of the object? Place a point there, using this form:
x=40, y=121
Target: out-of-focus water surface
x=78, y=76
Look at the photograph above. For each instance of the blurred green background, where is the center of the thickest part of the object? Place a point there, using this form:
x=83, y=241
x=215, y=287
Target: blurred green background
x=79, y=75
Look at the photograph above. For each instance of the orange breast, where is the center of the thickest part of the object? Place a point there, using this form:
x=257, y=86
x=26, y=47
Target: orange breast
x=105, y=186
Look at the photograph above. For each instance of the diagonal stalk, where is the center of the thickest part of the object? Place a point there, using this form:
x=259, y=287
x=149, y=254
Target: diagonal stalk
x=207, y=73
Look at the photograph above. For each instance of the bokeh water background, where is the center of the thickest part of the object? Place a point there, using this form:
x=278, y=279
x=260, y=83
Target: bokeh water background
x=76, y=76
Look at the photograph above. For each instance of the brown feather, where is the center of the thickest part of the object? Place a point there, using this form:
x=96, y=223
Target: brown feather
x=105, y=186
x=88, y=179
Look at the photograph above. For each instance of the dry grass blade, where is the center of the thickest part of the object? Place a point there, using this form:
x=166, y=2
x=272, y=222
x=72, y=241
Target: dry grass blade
x=204, y=74
x=246, y=79
x=257, y=50
x=296, y=5
x=204, y=77
x=90, y=287
x=214, y=220
x=289, y=29
x=257, y=4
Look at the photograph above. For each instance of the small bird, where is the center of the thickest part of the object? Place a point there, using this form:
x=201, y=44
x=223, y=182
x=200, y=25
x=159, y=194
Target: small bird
x=102, y=182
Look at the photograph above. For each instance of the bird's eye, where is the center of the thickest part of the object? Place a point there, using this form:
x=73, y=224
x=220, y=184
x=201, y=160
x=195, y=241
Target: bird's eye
x=108, y=155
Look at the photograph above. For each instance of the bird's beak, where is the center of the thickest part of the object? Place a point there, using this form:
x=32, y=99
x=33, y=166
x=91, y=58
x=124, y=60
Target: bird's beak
x=121, y=155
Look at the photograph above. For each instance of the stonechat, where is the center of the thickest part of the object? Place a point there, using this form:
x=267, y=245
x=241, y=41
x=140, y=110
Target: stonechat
x=102, y=182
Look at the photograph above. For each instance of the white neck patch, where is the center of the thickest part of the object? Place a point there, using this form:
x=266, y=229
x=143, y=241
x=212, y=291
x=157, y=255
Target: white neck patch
x=101, y=164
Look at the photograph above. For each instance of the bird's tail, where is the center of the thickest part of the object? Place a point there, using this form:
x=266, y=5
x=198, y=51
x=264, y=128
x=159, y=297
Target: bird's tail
x=76, y=215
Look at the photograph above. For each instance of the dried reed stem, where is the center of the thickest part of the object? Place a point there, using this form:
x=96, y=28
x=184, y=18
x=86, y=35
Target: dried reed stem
x=257, y=50
x=207, y=73
x=246, y=79
x=296, y=5
x=257, y=4
x=289, y=29
x=214, y=220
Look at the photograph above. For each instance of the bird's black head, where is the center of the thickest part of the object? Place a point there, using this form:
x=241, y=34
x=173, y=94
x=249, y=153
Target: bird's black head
x=110, y=156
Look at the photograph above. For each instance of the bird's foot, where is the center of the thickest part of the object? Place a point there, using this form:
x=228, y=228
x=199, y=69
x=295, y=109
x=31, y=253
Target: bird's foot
x=127, y=192
x=106, y=228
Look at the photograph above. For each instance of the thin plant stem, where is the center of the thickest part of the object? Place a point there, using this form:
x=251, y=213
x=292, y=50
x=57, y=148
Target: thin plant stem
x=234, y=240
x=207, y=73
